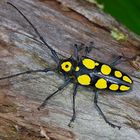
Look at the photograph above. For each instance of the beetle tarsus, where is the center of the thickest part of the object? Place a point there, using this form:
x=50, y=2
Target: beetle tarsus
x=113, y=125
x=71, y=123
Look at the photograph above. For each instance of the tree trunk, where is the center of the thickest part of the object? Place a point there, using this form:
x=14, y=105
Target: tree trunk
x=63, y=23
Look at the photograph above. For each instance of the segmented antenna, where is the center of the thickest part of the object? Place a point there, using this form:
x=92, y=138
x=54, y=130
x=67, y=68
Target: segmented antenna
x=27, y=72
x=55, y=56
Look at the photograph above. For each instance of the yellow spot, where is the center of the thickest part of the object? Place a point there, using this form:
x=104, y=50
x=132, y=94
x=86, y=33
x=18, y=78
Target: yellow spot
x=77, y=69
x=114, y=87
x=127, y=79
x=84, y=79
x=66, y=66
x=124, y=88
x=88, y=63
x=118, y=74
x=105, y=69
x=101, y=84
x=96, y=64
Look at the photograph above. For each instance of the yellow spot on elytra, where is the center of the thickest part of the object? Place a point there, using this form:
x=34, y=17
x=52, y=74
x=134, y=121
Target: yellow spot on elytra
x=77, y=68
x=96, y=64
x=118, y=74
x=84, y=79
x=101, y=84
x=66, y=66
x=105, y=69
x=127, y=79
x=88, y=63
x=114, y=87
x=124, y=88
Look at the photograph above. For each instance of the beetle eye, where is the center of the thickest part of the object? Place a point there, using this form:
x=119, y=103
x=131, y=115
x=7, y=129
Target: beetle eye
x=66, y=66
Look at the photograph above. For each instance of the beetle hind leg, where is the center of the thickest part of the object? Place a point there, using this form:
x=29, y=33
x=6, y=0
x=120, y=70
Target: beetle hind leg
x=101, y=113
x=120, y=59
x=74, y=112
x=116, y=61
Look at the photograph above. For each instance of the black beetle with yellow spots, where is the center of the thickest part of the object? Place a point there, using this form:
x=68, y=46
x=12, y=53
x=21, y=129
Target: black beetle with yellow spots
x=83, y=71
x=100, y=76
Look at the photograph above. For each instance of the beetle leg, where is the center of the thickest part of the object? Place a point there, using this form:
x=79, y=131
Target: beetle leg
x=74, y=112
x=59, y=89
x=78, y=47
x=115, y=61
x=102, y=114
x=88, y=48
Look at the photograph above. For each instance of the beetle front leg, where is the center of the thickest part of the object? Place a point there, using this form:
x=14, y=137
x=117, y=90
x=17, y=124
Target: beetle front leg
x=102, y=114
x=74, y=112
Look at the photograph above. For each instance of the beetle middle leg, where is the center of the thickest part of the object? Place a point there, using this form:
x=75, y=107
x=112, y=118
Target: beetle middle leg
x=100, y=111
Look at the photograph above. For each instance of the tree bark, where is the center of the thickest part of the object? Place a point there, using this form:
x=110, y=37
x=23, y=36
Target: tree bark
x=63, y=23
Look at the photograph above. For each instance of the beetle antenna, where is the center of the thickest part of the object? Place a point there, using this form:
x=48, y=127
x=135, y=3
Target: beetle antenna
x=28, y=72
x=55, y=56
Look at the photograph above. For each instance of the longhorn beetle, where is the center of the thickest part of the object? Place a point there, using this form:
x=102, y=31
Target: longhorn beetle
x=83, y=71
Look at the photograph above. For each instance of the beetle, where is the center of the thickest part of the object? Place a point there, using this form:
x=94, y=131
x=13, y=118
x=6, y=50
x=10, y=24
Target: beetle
x=83, y=71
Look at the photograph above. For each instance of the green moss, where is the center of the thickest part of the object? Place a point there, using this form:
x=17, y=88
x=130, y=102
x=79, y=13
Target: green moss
x=116, y=34
x=101, y=6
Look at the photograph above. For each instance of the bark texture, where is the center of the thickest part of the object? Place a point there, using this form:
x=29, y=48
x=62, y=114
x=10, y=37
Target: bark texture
x=63, y=23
